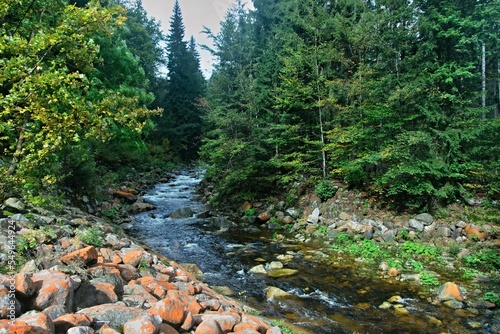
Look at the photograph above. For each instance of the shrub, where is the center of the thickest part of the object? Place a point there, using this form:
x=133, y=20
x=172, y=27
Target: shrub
x=325, y=190
x=92, y=236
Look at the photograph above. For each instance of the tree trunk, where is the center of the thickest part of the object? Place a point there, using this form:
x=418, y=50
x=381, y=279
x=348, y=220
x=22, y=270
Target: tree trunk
x=483, y=100
x=19, y=148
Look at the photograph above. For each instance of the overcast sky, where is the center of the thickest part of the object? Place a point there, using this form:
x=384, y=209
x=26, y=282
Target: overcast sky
x=195, y=14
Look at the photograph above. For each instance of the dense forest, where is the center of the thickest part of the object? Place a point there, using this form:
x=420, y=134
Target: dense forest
x=83, y=99
x=399, y=99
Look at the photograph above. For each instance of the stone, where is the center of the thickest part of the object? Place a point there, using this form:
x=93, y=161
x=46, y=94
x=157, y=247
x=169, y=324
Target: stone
x=184, y=212
x=95, y=293
x=454, y=304
x=105, y=329
x=136, y=295
x=133, y=257
x=139, y=207
x=52, y=288
x=65, y=322
x=258, y=269
x=107, y=274
x=14, y=204
x=393, y=272
x=110, y=256
x=126, y=195
x=81, y=330
x=264, y=216
x=170, y=310
x=443, y=231
x=274, y=292
x=416, y=225
x=141, y=325
x=226, y=320
x=313, y=218
x=209, y=326
x=282, y=272
x=389, y=235
x=167, y=329
x=55, y=311
x=425, y=218
x=275, y=265
x=344, y=216
x=115, y=315
x=85, y=256
x=449, y=291
x=474, y=231
x=245, y=206
x=39, y=322
x=189, y=302
x=8, y=310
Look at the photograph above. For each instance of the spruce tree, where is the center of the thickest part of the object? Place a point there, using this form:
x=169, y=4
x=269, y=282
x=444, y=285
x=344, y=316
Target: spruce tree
x=181, y=121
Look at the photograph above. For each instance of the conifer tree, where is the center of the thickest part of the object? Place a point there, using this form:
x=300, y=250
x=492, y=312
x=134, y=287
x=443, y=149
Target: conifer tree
x=181, y=122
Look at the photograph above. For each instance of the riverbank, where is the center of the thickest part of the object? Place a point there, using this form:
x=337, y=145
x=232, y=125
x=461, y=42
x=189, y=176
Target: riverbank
x=455, y=247
x=69, y=271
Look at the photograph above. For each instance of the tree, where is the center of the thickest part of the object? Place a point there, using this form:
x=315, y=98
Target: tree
x=181, y=123
x=51, y=95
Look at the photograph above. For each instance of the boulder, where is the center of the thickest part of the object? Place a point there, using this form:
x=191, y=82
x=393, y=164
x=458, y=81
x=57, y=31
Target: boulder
x=136, y=295
x=425, y=218
x=282, y=272
x=142, y=325
x=226, y=320
x=264, y=216
x=115, y=315
x=14, y=204
x=416, y=225
x=133, y=257
x=65, y=322
x=184, y=212
x=274, y=292
x=52, y=288
x=8, y=310
x=313, y=218
x=81, y=330
x=476, y=232
x=139, y=207
x=258, y=269
x=95, y=293
x=209, y=326
x=170, y=310
x=39, y=322
x=449, y=291
x=24, y=284
x=85, y=256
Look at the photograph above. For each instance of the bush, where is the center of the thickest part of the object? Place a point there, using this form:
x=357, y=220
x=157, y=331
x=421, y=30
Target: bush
x=92, y=236
x=325, y=190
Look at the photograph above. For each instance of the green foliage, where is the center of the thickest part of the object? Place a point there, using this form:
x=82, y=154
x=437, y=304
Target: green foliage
x=484, y=259
x=93, y=236
x=283, y=327
x=492, y=297
x=250, y=212
x=26, y=243
x=429, y=279
x=420, y=250
x=325, y=190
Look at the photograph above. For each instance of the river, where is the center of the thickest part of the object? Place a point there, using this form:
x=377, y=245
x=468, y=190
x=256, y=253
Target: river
x=328, y=294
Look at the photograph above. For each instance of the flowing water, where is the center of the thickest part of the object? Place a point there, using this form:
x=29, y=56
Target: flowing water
x=328, y=294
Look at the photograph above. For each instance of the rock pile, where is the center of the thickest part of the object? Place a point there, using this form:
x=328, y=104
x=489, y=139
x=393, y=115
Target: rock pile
x=116, y=287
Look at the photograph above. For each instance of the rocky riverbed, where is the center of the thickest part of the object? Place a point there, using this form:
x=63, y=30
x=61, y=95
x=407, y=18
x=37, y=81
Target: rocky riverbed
x=85, y=275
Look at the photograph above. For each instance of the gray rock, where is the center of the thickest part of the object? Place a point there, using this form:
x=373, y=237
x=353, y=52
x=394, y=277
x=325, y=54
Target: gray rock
x=115, y=315
x=81, y=330
x=313, y=217
x=259, y=269
x=443, y=231
x=389, y=235
x=454, y=304
x=55, y=311
x=184, y=212
x=14, y=204
x=416, y=225
x=426, y=218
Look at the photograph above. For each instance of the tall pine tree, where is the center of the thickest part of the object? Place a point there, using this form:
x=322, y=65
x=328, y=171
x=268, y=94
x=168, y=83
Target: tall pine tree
x=185, y=86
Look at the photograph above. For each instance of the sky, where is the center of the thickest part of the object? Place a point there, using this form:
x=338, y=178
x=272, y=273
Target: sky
x=195, y=14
